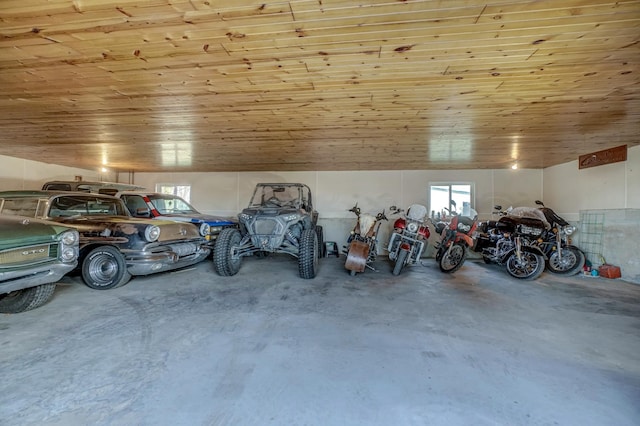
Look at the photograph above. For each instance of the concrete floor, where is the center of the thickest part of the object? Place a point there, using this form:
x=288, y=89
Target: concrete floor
x=265, y=347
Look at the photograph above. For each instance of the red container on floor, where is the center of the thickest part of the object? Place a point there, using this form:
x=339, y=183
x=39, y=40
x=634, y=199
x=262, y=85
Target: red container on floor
x=609, y=271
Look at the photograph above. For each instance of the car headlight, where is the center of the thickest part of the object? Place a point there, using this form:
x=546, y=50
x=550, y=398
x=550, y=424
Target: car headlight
x=412, y=227
x=69, y=238
x=570, y=229
x=205, y=229
x=152, y=233
x=244, y=217
x=290, y=217
x=68, y=254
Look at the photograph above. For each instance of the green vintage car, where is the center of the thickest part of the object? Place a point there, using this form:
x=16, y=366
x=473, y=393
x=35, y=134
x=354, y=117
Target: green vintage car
x=34, y=255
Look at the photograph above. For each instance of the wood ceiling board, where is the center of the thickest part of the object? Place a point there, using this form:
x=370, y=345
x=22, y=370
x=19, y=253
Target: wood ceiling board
x=281, y=80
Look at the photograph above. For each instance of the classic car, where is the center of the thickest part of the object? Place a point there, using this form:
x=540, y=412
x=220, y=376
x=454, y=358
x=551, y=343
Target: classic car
x=280, y=218
x=34, y=255
x=113, y=245
x=172, y=207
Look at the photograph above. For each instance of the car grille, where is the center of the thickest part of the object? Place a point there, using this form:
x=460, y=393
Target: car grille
x=178, y=231
x=28, y=255
x=264, y=226
x=184, y=249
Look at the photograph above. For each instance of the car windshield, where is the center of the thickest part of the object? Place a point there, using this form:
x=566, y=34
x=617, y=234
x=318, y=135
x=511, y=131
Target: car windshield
x=70, y=205
x=20, y=206
x=276, y=196
x=170, y=204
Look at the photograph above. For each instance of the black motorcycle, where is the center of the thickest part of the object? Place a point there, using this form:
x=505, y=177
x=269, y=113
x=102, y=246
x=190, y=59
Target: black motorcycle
x=562, y=257
x=508, y=242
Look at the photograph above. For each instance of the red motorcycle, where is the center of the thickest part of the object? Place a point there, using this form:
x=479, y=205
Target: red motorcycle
x=409, y=237
x=456, y=239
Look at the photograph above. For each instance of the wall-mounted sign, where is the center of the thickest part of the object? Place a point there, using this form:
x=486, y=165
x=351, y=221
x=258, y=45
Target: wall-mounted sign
x=606, y=156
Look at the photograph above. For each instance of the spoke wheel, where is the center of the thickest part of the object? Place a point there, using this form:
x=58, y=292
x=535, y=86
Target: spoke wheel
x=452, y=259
x=569, y=262
x=530, y=268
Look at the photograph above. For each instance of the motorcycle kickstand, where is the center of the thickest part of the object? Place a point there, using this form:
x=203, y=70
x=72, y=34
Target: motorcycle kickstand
x=371, y=267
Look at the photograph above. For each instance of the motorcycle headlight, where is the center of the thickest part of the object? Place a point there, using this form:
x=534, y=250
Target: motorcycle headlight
x=463, y=228
x=412, y=227
x=205, y=229
x=570, y=229
x=69, y=238
x=152, y=233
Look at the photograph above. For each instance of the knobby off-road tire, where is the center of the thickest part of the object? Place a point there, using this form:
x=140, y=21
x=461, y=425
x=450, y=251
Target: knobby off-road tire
x=308, y=255
x=531, y=268
x=453, y=259
x=572, y=262
x=400, y=260
x=26, y=299
x=320, y=241
x=104, y=268
x=223, y=262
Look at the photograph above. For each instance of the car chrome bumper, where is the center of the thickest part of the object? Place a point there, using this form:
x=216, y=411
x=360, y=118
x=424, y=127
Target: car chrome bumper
x=145, y=263
x=32, y=277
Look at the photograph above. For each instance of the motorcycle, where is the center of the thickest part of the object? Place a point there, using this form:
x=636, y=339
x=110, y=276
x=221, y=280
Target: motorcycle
x=562, y=257
x=456, y=239
x=363, y=241
x=409, y=237
x=508, y=242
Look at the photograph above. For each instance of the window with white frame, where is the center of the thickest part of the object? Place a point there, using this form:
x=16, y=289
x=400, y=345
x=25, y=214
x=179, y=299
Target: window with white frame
x=447, y=197
x=182, y=191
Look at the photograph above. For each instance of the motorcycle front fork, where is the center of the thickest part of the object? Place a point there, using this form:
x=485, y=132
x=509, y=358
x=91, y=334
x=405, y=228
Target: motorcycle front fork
x=519, y=249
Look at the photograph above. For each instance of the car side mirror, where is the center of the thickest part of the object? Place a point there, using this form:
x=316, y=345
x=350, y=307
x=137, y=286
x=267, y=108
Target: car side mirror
x=142, y=212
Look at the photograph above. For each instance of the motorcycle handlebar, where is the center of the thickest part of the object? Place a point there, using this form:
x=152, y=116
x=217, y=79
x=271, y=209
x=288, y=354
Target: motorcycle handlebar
x=381, y=216
x=355, y=209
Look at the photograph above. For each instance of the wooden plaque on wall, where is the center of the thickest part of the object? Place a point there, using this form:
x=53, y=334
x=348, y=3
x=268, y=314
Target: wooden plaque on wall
x=606, y=156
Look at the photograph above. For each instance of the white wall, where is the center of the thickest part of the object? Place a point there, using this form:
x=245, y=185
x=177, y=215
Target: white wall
x=612, y=190
x=16, y=173
x=613, y=186
x=336, y=192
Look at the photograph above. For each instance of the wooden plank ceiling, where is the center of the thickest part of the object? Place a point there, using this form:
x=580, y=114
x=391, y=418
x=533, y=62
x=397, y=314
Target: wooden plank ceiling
x=239, y=85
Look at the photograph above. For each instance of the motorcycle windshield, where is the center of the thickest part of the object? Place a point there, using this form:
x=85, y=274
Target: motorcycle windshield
x=530, y=213
x=366, y=222
x=471, y=213
x=417, y=212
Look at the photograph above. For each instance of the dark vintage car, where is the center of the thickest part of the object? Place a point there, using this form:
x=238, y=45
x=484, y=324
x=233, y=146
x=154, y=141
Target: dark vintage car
x=113, y=245
x=280, y=218
x=34, y=255
x=171, y=207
